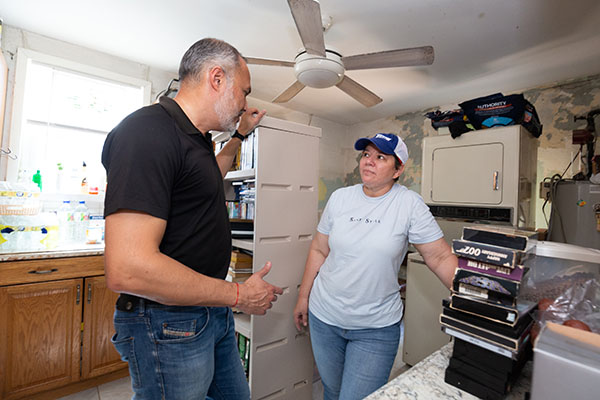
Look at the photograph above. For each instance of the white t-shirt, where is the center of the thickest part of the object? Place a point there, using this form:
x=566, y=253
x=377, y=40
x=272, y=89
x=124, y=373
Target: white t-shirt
x=357, y=285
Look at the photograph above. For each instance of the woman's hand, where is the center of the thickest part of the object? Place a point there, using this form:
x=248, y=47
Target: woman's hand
x=301, y=313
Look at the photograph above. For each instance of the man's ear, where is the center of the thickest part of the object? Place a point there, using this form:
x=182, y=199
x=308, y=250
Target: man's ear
x=216, y=78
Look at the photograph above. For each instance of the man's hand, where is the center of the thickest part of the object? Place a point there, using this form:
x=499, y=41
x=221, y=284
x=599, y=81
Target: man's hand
x=250, y=119
x=256, y=295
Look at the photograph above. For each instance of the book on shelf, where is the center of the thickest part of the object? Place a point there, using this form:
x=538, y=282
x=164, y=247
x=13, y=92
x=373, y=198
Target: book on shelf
x=244, y=351
x=240, y=256
x=499, y=235
x=238, y=276
x=240, y=266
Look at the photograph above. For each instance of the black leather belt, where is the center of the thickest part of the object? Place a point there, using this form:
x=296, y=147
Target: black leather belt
x=128, y=302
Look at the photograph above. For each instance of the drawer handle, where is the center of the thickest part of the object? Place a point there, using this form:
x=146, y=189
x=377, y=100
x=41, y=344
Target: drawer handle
x=45, y=271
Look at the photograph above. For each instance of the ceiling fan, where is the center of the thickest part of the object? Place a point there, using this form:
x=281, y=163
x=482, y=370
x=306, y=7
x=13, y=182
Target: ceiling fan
x=320, y=67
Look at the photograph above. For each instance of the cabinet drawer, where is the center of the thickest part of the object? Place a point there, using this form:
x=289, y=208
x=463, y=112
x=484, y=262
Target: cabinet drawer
x=50, y=269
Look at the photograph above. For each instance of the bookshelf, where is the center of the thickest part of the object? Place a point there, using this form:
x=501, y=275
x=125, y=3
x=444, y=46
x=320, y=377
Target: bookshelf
x=285, y=177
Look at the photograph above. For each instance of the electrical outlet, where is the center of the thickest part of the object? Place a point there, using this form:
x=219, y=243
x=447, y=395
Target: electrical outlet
x=545, y=189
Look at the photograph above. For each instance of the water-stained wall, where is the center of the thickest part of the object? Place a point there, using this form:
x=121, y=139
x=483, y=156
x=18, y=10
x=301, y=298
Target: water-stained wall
x=556, y=105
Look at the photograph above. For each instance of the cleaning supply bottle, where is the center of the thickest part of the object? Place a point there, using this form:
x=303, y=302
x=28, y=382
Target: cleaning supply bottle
x=37, y=179
x=84, y=182
x=59, y=178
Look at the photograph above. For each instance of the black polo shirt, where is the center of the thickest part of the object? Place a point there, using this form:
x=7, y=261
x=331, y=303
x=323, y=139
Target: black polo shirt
x=157, y=162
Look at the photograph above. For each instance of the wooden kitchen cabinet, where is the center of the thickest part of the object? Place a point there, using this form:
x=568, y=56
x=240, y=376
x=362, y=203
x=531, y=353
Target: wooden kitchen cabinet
x=55, y=327
x=99, y=356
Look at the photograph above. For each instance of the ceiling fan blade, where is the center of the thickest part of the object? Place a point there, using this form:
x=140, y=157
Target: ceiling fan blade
x=289, y=93
x=307, y=16
x=391, y=58
x=359, y=92
x=265, y=61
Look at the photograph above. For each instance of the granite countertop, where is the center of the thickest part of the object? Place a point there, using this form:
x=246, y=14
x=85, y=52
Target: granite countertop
x=72, y=251
x=426, y=381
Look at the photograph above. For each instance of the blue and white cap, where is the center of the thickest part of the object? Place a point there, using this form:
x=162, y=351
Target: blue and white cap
x=387, y=143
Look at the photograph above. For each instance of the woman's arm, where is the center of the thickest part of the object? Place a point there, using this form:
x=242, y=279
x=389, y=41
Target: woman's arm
x=319, y=250
x=439, y=259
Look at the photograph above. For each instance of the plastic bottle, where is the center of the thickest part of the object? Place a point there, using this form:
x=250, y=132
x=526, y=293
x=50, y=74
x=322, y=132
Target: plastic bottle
x=37, y=179
x=59, y=178
x=84, y=182
x=82, y=216
x=66, y=223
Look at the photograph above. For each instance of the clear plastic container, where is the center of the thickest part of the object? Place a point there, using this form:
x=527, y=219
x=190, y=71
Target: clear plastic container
x=66, y=223
x=82, y=216
x=95, y=230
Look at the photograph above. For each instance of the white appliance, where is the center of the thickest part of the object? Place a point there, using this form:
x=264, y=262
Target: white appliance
x=487, y=175
x=575, y=216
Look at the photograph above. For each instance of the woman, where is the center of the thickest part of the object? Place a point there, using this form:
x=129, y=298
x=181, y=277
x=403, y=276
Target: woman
x=349, y=291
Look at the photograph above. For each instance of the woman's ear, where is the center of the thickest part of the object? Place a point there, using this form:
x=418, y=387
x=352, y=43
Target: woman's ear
x=399, y=171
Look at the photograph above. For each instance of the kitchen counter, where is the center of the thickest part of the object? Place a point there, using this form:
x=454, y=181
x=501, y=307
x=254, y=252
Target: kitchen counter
x=425, y=381
x=60, y=252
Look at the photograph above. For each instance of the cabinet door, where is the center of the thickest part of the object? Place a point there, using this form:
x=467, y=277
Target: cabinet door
x=40, y=340
x=99, y=355
x=468, y=174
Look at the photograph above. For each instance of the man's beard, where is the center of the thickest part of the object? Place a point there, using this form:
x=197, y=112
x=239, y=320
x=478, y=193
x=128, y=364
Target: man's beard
x=224, y=108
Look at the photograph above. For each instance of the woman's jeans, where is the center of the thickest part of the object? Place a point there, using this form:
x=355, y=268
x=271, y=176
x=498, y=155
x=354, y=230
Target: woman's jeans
x=180, y=353
x=353, y=363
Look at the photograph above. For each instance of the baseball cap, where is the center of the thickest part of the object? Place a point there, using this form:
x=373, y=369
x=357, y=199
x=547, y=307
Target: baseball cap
x=387, y=143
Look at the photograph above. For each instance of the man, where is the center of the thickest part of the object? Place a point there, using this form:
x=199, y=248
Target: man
x=168, y=241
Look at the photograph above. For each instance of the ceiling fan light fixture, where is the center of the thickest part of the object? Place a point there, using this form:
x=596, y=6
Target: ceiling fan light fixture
x=319, y=72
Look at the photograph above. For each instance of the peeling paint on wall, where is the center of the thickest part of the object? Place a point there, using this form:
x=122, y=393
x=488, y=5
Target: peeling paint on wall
x=556, y=105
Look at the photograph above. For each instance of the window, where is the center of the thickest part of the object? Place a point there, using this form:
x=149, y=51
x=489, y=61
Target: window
x=62, y=114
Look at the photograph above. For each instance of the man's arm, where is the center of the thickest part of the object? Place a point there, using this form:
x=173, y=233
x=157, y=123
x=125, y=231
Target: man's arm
x=249, y=120
x=439, y=259
x=135, y=265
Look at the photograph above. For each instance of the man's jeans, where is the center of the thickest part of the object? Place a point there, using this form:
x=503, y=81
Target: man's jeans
x=180, y=353
x=353, y=363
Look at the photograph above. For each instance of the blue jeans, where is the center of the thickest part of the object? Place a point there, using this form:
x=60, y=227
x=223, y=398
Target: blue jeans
x=180, y=353
x=353, y=363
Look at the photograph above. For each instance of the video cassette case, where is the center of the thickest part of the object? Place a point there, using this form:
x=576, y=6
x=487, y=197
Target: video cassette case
x=503, y=236
x=487, y=253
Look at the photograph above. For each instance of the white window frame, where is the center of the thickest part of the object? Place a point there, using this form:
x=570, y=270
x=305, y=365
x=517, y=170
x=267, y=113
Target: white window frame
x=23, y=57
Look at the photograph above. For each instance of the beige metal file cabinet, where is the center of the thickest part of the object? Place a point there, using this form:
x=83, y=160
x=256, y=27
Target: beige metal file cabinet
x=286, y=181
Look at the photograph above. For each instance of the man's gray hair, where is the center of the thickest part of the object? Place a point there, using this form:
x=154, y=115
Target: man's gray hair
x=207, y=53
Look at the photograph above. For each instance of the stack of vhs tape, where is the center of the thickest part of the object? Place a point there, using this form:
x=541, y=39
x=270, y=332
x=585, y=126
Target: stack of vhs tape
x=490, y=324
